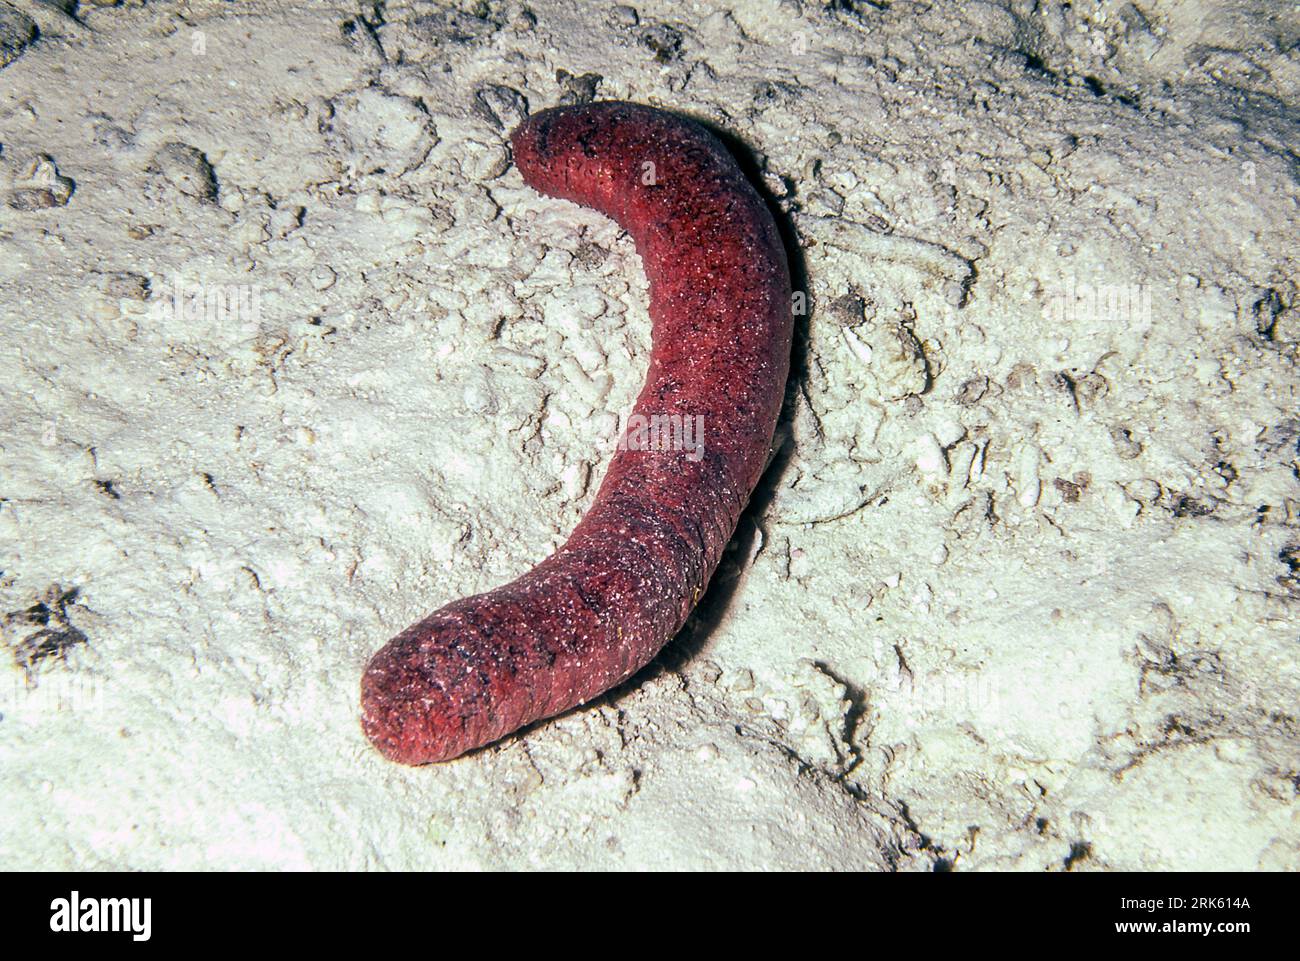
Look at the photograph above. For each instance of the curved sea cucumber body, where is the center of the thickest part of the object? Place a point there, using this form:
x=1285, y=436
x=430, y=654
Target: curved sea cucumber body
x=605, y=603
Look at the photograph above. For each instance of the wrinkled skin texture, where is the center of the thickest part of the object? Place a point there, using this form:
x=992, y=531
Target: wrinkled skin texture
x=605, y=603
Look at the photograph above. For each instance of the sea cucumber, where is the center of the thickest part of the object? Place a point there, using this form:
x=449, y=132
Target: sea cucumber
x=605, y=603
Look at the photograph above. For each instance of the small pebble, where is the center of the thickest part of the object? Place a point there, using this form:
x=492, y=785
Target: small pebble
x=929, y=456
x=948, y=433
x=125, y=286
x=41, y=187
x=744, y=681
x=17, y=31
x=624, y=16
x=323, y=277
x=1028, y=484
x=860, y=349
x=186, y=169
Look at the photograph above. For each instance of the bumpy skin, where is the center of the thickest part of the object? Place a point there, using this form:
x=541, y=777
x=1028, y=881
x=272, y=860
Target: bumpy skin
x=604, y=604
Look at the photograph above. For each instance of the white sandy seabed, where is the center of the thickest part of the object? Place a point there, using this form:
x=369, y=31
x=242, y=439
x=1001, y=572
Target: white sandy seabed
x=292, y=357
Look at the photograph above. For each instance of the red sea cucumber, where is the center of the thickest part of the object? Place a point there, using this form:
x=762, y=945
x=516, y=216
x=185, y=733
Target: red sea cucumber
x=604, y=603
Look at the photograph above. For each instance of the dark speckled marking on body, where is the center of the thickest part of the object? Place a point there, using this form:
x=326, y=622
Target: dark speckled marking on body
x=610, y=597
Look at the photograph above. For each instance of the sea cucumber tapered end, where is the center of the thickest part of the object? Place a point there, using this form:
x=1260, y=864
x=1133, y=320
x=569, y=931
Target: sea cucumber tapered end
x=405, y=717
